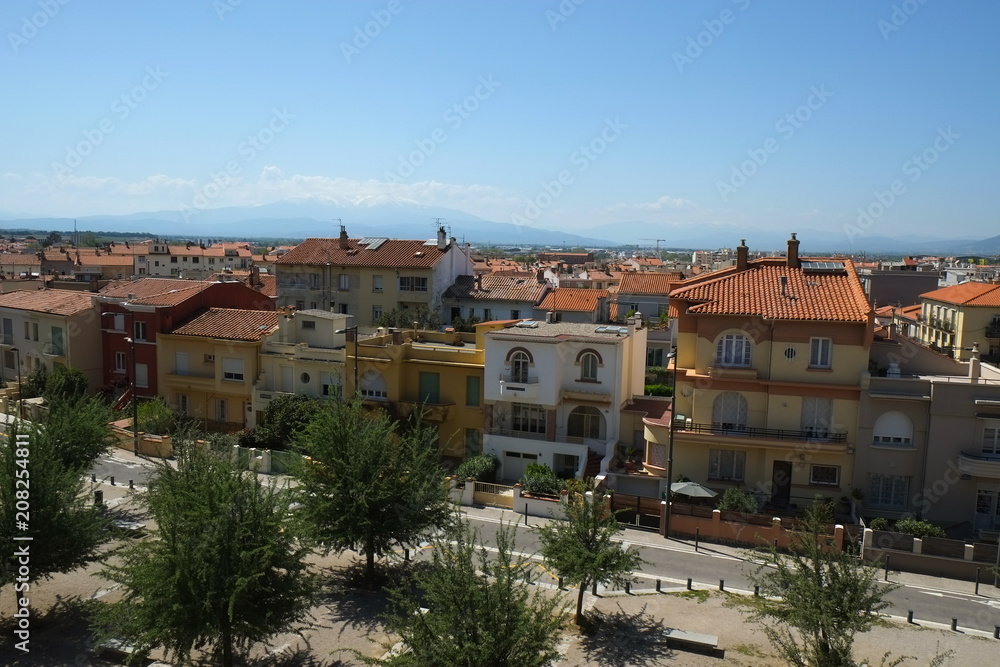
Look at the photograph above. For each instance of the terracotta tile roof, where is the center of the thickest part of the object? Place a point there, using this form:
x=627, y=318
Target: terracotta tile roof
x=154, y=291
x=53, y=301
x=967, y=294
x=909, y=311
x=649, y=283
x=21, y=259
x=573, y=299
x=105, y=260
x=230, y=324
x=495, y=287
x=391, y=253
x=269, y=285
x=757, y=291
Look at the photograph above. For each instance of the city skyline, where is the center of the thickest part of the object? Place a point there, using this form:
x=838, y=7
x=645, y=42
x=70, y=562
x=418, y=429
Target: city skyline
x=853, y=120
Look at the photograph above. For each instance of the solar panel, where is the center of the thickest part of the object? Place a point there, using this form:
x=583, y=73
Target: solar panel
x=822, y=266
x=373, y=242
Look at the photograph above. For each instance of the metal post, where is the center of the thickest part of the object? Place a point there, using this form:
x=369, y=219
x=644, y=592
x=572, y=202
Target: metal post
x=670, y=445
x=112, y=480
x=593, y=589
x=887, y=568
x=954, y=625
x=722, y=584
x=93, y=478
x=697, y=536
x=131, y=484
x=98, y=497
x=628, y=588
x=996, y=632
x=909, y=616
x=560, y=584
x=977, y=579
x=689, y=584
x=406, y=554
x=756, y=591
x=658, y=583
x=135, y=398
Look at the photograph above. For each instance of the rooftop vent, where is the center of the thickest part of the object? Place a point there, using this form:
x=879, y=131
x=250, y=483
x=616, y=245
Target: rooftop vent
x=611, y=330
x=527, y=324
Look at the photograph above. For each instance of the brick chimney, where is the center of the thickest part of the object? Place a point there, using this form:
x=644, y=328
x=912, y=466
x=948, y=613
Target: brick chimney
x=742, y=251
x=344, y=245
x=793, y=253
x=442, y=239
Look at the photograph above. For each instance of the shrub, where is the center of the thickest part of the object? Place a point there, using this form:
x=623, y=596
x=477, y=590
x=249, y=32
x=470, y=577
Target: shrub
x=539, y=479
x=34, y=383
x=738, y=500
x=156, y=417
x=918, y=528
x=482, y=468
x=659, y=390
x=65, y=384
x=879, y=523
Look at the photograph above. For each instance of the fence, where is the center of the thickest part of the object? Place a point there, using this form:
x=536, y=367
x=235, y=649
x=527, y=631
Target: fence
x=935, y=556
x=739, y=528
x=637, y=510
x=497, y=495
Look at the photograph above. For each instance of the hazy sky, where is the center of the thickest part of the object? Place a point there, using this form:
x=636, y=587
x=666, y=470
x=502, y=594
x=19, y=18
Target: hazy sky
x=566, y=115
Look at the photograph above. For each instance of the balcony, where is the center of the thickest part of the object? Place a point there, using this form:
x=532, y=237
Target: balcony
x=53, y=350
x=432, y=412
x=993, y=330
x=979, y=465
x=733, y=372
x=518, y=387
x=777, y=437
x=7, y=339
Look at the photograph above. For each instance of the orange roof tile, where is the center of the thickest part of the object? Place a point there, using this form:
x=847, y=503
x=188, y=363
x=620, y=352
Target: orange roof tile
x=967, y=294
x=53, y=301
x=496, y=287
x=230, y=324
x=390, y=253
x=573, y=299
x=757, y=291
x=649, y=283
x=21, y=259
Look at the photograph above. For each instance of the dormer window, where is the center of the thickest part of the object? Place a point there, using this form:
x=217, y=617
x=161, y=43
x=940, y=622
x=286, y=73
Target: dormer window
x=733, y=350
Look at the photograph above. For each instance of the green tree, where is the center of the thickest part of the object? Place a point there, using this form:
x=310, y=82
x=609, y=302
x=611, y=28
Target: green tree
x=79, y=430
x=64, y=526
x=815, y=599
x=738, y=500
x=481, y=609
x=65, y=384
x=155, y=416
x=582, y=549
x=283, y=416
x=224, y=569
x=88, y=240
x=369, y=485
x=34, y=383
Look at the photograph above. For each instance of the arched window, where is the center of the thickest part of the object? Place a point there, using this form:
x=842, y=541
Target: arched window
x=893, y=429
x=519, y=363
x=372, y=385
x=733, y=350
x=586, y=422
x=588, y=366
x=729, y=412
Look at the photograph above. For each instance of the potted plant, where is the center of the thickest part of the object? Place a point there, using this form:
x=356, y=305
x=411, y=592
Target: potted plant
x=630, y=458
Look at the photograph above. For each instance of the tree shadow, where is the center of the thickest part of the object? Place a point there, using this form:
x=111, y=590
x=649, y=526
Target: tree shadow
x=620, y=639
x=354, y=606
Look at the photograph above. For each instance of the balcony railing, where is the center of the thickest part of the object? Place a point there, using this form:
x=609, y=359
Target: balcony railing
x=519, y=379
x=993, y=330
x=52, y=350
x=7, y=339
x=771, y=433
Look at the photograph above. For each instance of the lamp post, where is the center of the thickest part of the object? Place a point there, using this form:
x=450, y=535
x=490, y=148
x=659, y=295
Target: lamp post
x=135, y=399
x=20, y=403
x=355, y=330
x=670, y=442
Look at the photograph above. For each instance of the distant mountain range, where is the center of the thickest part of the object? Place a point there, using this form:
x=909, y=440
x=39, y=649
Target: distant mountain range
x=301, y=218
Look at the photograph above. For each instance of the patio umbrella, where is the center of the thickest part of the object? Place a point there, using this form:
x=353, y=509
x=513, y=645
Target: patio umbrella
x=692, y=489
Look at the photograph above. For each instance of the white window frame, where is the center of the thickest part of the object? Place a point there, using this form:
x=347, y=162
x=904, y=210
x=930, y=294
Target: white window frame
x=344, y=282
x=139, y=330
x=528, y=418
x=727, y=465
x=733, y=350
x=140, y=371
x=183, y=405
x=232, y=369
x=221, y=410
x=812, y=475
x=588, y=367
x=817, y=416
x=377, y=283
x=820, y=352
x=889, y=491
x=519, y=364
x=120, y=361
x=991, y=440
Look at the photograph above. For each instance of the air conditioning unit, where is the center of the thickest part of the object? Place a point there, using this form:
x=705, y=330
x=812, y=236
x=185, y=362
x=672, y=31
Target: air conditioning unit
x=209, y=358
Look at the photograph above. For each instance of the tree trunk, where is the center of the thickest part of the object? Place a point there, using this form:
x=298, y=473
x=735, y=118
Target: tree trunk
x=227, y=645
x=20, y=596
x=370, y=564
x=579, y=602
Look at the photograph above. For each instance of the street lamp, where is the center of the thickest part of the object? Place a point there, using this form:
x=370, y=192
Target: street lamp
x=670, y=443
x=135, y=398
x=20, y=403
x=355, y=330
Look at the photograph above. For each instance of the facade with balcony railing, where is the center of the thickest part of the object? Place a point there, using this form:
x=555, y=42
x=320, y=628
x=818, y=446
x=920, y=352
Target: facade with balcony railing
x=955, y=317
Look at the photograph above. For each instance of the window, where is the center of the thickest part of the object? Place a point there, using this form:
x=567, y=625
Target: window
x=34, y=329
x=586, y=422
x=373, y=386
x=817, y=413
x=472, y=391
x=326, y=384
x=515, y=314
x=173, y=260
x=588, y=367
x=887, y=491
x=140, y=330
x=376, y=313
x=308, y=324
x=300, y=304
x=304, y=377
x=181, y=361
x=312, y=304
x=342, y=308
x=141, y=375
x=987, y=508
x=119, y=322
x=313, y=281
x=893, y=429
x=654, y=356
x=820, y=350
x=345, y=282
x=183, y=405
x=991, y=441
x=232, y=369
x=209, y=358
x=376, y=283
x=8, y=331
x=529, y=418
x=8, y=359
x=824, y=475
x=195, y=260
x=729, y=412
x=119, y=362
x=733, y=350
x=429, y=387
x=487, y=314
x=726, y=465
x=519, y=363
x=221, y=410
x=57, y=341
x=27, y=331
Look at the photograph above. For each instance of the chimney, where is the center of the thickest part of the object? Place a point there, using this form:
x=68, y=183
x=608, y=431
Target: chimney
x=741, y=255
x=479, y=282
x=793, y=253
x=540, y=275
x=784, y=285
x=442, y=239
x=974, y=363
x=344, y=245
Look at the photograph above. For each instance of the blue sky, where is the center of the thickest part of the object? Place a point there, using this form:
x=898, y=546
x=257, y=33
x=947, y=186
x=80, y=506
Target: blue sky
x=738, y=114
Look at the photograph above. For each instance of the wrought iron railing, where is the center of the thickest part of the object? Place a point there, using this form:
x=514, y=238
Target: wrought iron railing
x=772, y=433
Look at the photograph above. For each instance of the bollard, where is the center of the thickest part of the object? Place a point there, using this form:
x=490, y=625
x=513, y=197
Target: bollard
x=689, y=584
x=697, y=535
x=996, y=632
x=98, y=497
x=406, y=554
x=593, y=590
x=756, y=591
x=559, y=586
x=954, y=625
x=131, y=484
x=93, y=477
x=909, y=616
x=977, y=579
x=658, y=582
x=887, y=568
x=722, y=584
x=628, y=588
x=525, y=514
x=112, y=480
